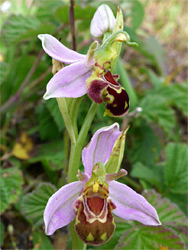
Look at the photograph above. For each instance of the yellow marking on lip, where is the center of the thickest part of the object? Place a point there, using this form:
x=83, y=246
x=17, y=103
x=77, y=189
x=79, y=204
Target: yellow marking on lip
x=104, y=236
x=90, y=237
x=125, y=105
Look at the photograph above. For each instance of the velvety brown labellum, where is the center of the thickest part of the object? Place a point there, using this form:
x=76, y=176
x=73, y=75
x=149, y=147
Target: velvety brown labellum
x=94, y=221
x=95, y=89
x=120, y=104
x=120, y=99
x=107, y=90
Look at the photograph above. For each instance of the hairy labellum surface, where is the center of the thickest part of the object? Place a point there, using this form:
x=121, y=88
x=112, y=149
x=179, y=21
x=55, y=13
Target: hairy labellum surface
x=106, y=89
x=119, y=99
x=94, y=221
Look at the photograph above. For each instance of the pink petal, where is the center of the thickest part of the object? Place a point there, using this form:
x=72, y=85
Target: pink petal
x=70, y=81
x=100, y=147
x=132, y=206
x=58, y=51
x=59, y=209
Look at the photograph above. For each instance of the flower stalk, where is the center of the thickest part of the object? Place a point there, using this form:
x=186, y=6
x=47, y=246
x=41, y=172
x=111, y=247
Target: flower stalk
x=76, y=147
x=63, y=107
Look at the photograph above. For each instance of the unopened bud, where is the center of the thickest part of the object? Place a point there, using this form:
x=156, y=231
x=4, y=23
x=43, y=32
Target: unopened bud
x=103, y=21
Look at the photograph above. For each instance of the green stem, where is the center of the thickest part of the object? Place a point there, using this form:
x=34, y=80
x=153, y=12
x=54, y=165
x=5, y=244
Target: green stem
x=74, y=113
x=77, y=244
x=63, y=180
x=66, y=117
x=76, y=148
x=126, y=83
x=74, y=162
x=87, y=123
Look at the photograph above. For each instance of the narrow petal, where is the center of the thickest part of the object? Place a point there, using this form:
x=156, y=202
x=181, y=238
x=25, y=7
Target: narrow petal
x=69, y=81
x=58, y=51
x=100, y=147
x=132, y=206
x=59, y=209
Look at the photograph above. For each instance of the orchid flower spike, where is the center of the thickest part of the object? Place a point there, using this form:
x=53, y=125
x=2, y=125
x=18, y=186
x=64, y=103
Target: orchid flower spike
x=97, y=194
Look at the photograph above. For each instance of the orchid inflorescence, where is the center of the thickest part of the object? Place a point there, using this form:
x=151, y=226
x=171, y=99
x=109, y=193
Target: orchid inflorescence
x=96, y=196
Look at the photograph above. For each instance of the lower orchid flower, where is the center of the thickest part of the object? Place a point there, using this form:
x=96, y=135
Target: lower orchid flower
x=97, y=195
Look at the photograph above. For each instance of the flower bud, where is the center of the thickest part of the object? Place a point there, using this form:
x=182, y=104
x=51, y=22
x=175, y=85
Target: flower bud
x=103, y=21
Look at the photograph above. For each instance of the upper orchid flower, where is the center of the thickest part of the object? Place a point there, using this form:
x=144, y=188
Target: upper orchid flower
x=90, y=73
x=96, y=195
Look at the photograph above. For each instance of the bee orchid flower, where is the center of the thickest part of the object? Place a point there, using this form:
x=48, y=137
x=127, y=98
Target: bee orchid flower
x=91, y=73
x=97, y=195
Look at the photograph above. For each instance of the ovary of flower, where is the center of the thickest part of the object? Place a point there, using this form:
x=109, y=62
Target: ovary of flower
x=97, y=195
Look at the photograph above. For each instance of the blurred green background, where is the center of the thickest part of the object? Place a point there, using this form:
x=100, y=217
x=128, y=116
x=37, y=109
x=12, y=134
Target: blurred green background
x=35, y=146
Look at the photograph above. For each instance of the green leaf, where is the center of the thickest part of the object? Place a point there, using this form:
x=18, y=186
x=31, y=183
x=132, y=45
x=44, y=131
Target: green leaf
x=41, y=241
x=3, y=71
x=15, y=26
x=155, y=80
x=47, y=126
x=33, y=204
x=146, y=146
x=143, y=48
x=52, y=106
x=33, y=33
x=137, y=14
x=10, y=186
x=51, y=152
x=43, y=13
x=156, y=110
x=85, y=13
x=147, y=237
x=153, y=175
x=62, y=14
x=175, y=170
x=176, y=94
x=154, y=47
x=2, y=228
x=178, y=199
x=126, y=83
x=19, y=67
x=169, y=213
